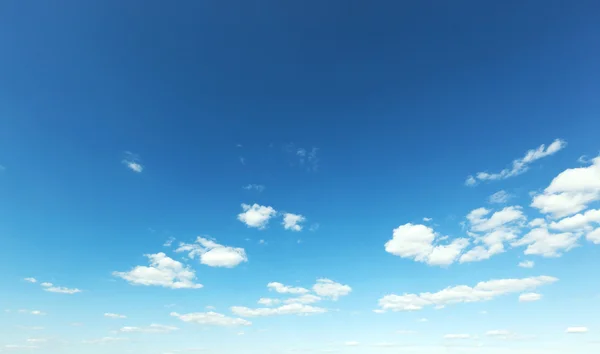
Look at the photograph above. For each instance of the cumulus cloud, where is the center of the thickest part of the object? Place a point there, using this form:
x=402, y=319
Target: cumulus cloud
x=529, y=297
x=519, y=166
x=213, y=254
x=163, y=271
x=571, y=191
x=527, y=264
x=577, y=330
x=292, y=221
x=114, y=315
x=132, y=161
x=543, y=243
x=483, y=291
x=578, y=222
x=211, y=319
x=268, y=301
x=256, y=216
x=153, y=328
x=330, y=289
x=500, y=197
x=287, y=309
x=421, y=243
x=284, y=289
x=594, y=236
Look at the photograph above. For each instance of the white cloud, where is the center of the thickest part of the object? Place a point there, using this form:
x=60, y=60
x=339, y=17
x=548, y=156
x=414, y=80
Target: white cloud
x=288, y=309
x=169, y=242
x=539, y=222
x=519, y=166
x=46, y=284
x=457, y=336
x=571, y=191
x=211, y=319
x=529, y=297
x=330, y=289
x=303, y=299
x=37, y=340
x=132, y=161
x=114, y=315
x=352, y=344
x=268, y=301
x=527, y=264
x=104, y=340
x=483, y=291
x=256, y=187
x=32, y=312
x=292, y=221
x=543, y=243
x=213, y=254
x=153, y=328
x=163, y=271
x=578, y=222
x=427, y=219
x=500, y=197
x=421, y=243
x=577, y=330
x=284, y=289
x=508, y=215
x=30, y=280
x=256, y=216
x=59, y=289
x=594, y=236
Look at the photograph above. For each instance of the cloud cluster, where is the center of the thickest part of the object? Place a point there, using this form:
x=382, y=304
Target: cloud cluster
x=519, y=166
x=292, y=221
x=213, y=254
x=211, y=319
x=287, y=309
x=163, y=271
x=285, y=289
x=483, y=291
x=51, y=288
x=256, y=216
x=329, y=289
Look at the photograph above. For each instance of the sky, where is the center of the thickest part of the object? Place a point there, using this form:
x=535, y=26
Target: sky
x=310, y=176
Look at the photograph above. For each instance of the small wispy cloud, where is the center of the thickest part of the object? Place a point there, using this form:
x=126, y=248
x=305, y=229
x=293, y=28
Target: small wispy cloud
x=500, y=197
x=256, y=187
x=132, y=161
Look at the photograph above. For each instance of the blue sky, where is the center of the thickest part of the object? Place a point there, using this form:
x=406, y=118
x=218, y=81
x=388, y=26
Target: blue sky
x=340, y=176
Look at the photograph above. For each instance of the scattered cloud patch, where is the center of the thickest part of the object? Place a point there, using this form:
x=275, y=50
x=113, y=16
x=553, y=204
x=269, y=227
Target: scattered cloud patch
x=256, y=216
x=153, y=328
x=292, y=221
x=527, y=264
x=303, y=299
x=519, y=166
x=457, y=336
x=114, y=315
x=483, y=291
x=529, y=297
x=132, y=161
x=543, y=243
x=30, y=280
x=213, y=254
x=330, y=289
x=287, y=309
x=268, y=301
x=254, y=187
x=104, y=340
x=163, y=271
x=49, y=287
x=284, y=289
x=500, y=197
x=577, y=330
x=352, y=344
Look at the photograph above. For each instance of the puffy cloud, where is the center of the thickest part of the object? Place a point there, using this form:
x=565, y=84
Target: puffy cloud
x=153, y=328
x=213, y=254
x=30, y=280
x=521, y=165
x=292, y=221
x=132, y=161
x=577, y=330
x=420, y=242
x=302, y=299
x=114, y=315
x=284, y=289
x=529, y=297
x=508, y=215
x=457, y=336
x=500, y=197
x=483, y=291
x=256, y=216
x=163, y=271
x=330, y=289
x=577, y=222
x=571, y=191
x=594, y=236
x=288, y=309
x=527, y=264
x=543, y=243
x=268, y=301
x=211, y=319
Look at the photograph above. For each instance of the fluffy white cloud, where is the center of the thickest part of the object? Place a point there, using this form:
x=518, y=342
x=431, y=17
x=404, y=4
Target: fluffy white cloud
x=594, y=236
x=292, y=221
x=213, y=254
x=132, y=161
x=30, y=280
x=268, y=301
x=256, y=215
x=508, y=215
x=519, y=166
x=421, y=243
x=211, y=319
x=500, y=197
x=288, y=309
x=527, y=264
x=578, y=222
x=163, y=271
x=302, y=299
x=284, y=289
x=571, y=191
x=153, y=328
x=543, y=243
x=330, y=289
x=457, y=336
x=577, y=330
x=529, y=297
x=114, y=315
x=49, y=287
x=483, y=291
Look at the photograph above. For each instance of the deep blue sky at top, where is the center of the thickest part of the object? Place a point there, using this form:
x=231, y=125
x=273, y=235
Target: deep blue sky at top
x=403, y=100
